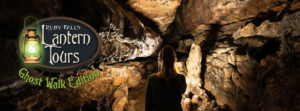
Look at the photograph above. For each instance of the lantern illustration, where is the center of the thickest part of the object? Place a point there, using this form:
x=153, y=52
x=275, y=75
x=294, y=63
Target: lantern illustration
x=31, y=49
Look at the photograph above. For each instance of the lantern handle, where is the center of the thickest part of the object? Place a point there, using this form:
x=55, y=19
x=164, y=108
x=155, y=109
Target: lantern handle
x=25, y=23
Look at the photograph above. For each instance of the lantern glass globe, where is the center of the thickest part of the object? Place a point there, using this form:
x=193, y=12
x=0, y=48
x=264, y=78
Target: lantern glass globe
x=31, y=49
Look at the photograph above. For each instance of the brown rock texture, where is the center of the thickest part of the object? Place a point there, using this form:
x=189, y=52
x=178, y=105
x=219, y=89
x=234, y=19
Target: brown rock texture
x=117, y=48
x=162, y=12
x=248, y=30
x=184, y=46
x=192, y=13
x=124, y=74
x=121, y=95
x=266, y=29
x=136, y=97
x=248, y=80
x=193, y=65
x=152, y=67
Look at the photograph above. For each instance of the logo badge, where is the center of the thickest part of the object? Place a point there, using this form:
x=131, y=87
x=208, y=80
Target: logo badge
x=59, y=44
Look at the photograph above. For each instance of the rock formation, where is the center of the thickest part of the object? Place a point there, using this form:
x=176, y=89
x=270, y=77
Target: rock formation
x=162, y=12
x=193, y=66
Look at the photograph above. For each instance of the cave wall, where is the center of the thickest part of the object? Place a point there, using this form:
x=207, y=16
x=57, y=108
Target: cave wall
x=193, y=13
x=242, y=60
x=243, y=46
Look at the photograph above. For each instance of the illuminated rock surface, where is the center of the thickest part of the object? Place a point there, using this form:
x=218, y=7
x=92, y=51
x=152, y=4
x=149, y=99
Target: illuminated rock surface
x=266, y=29
x=162, y=12
x=193, y=66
